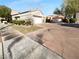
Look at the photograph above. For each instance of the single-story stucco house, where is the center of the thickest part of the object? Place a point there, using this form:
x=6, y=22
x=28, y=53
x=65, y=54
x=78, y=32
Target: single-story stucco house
x=36, y=16
x=55, y=18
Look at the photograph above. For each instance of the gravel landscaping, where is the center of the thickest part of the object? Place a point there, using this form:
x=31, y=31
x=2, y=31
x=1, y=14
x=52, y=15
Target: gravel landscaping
x=26, y=29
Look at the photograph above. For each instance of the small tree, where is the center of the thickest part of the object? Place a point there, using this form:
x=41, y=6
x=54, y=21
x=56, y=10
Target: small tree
x=57, y=11
x=5, y=12
x=71, y=7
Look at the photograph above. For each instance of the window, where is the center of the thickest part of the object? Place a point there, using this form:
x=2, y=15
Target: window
x=17, y=17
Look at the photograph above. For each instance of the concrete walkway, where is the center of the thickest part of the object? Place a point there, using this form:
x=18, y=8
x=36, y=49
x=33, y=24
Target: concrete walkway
x=18, y=46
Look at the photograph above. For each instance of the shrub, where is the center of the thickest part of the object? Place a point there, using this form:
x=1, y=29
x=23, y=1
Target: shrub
x=2, y=20
x=72, y=20
x=29, y=22
x=48, y=20
x=65, y=20
x=18, y=22
x=22, y=22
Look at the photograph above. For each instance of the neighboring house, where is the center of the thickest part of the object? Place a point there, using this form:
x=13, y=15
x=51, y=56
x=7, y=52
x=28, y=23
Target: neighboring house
x=14, y=12
x=36, y=16
x=55, y=18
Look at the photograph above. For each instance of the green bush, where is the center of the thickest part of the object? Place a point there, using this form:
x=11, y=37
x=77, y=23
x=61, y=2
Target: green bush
x=72, y=20
x=29, y=22
x=22, y=22
x=18, y=22
x=65, y=20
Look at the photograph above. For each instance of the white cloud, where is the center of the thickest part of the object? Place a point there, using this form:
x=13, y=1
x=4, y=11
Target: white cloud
x=24, y=1
x=22, y=5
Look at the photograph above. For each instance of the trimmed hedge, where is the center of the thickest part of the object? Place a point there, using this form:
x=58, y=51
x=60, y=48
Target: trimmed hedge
x=22, y=22
x=18, y=22
x=71, y=20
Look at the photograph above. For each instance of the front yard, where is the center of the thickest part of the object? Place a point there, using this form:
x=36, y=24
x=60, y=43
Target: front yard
x=26, y=29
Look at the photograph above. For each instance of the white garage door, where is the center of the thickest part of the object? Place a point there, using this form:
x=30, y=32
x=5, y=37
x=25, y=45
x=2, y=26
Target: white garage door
x=37, y=20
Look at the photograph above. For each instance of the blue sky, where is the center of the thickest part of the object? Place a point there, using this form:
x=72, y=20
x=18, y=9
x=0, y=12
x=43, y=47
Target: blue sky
x=46, y=6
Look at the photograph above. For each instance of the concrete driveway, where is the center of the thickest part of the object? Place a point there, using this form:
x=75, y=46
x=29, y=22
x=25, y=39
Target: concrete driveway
x=64, y=40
